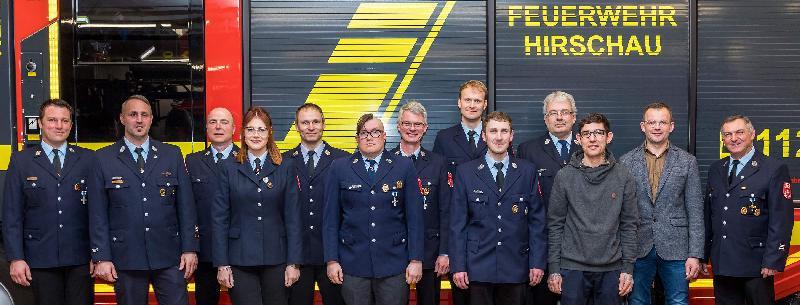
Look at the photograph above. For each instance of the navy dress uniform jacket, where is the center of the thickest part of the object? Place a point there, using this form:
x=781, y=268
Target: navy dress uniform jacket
x=452, y=144
x=310, y=199
x=45, y=216
x=366, y=230
x=497, y=235
x=435, y=190
x=542, y=152
x=204, y=174
x=141, y=220
x=256, y=219
x=748, y=223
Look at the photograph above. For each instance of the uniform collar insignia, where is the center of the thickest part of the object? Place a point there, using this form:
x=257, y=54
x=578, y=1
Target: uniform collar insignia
x=355, y=160
x=388, y=160
x=576, y=142
x=327, y=152
x=422, y=153
x=153, y=147
x=235, y=153
x=72, y=150
x=38, y=153
x=208, y=152
x=294, y=154
x=514, y=164
x=754, y=163
x=480, y=167
x=546, y=141
x=122, y=148
x=397, y=152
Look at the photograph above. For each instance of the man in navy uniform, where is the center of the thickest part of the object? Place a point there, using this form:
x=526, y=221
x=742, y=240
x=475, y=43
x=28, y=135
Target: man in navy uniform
x=312, y=159
x=748, y=218
x=45, y=213
x=373, y=223
x=142, y=219
x=550, y=152
x=497, y=221
x=433, y=185
x=463, y=142
x=204, y=169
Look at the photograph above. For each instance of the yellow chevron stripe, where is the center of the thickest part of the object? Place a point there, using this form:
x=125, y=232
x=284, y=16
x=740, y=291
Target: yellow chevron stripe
x=392, y=16
x=52, y=36
x=372, y=50
x=5, y=156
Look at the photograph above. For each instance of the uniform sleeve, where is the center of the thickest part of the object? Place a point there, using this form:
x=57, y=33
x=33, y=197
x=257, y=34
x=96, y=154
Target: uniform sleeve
x=694, y=211
x=556, y=218
x=629, y=223
x=331, y=216
x=458, y=225
x=415, y=223
x=291, y=216
x=220, y=218
x=98, y=217
x=781, y=218
x=187, y=211
x=445, y=193
x=537, y=236
x=13, y=209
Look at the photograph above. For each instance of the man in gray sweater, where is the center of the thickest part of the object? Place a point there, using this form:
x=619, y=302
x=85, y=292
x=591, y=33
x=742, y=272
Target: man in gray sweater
x=592, y=221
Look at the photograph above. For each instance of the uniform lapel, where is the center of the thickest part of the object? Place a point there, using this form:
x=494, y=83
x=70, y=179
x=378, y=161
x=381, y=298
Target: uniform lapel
x=247, y=170
x=208, y=160
x=126, y=158
x=751, y=168
x=385, y=166
x=550, y=150
x=152, y=158
x=422, y=160
x=486, y=175
x=512, y=175
x=324, y=160
x=40, y=157
x=461, y=140
x=71, y=158
x=357, y=164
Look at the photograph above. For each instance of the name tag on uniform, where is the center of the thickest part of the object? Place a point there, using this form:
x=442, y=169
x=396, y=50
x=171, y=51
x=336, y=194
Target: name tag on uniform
x=117, y=180
x=477, y=191
x=31, y=178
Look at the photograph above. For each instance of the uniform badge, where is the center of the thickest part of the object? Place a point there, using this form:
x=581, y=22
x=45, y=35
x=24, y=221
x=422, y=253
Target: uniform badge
x=546, y=141
x=757, y=212
x=327, y=152
x=426, y=191
x=385, y=188
x=514, y=165
x=389, y=161
x=398, y=184
x=77, y=187
x=154, y=148
x=787, y=190
x=269, y=184
x=71, y=150
x=294, y=154
x=38, y=153
x=515, y=209
x=31, y=178
x=117, y=181
x=122, y=148
x=422, y=153
x=450, y=179
x=743, y=211
x=754, y=163
x=613, y=195
x=162, y=192
x=480, y=167
x=208, y=153
x=397, y=153
x=355, y=161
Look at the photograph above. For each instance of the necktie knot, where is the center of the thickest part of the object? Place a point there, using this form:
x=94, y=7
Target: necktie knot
x=500, y=178
x=414, y=158
x=499, y=165
x=219, y=156
x=310, y=162
x=57, y=162
x=372, y=164
x=564, y=151
x=732, y=174
x=471, y=135
x=257, y=168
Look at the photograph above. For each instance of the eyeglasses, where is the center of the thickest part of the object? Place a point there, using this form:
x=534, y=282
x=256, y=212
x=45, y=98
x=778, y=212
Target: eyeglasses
x=657, y=123
x=366, y=134
x=253, y=131
x=561, y=113
x=598, y=133
x=739, y=133
x=407, y=124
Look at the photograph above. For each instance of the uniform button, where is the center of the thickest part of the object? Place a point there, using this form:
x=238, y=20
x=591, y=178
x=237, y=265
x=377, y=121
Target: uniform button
x=147, y=229
x=725, y=208
x=499, y=243
x=372, y=224
x=311, y=227
x=259, y=190
x=372, y=208
x=59, y=198
x=500, y=230
x=114, y=239
x=259, y=217
x=311, y=200
x=372, y=192
x=724, y=222
x=311, y=213
x=198, y=180
x=59, y=211
x=724, y=236
x=146, y=214
x=727, y=195
x=403, y=240
x=117, y=186
x=259, y=204
x=144, y=199
x=60, y=226
x=310, y=187
x=499, y=204
x=58, y=185
x=499, y=216
x=145, y=184
x=373, y=240
x=167, y=183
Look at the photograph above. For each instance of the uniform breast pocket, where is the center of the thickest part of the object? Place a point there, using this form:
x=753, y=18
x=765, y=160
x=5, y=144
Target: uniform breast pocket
x=34, y=193
x=200, y=185
x=117, y=191
x=167, y=187
x=349, y=191
x=429, y=189
x=477, y=202
x=519, y=206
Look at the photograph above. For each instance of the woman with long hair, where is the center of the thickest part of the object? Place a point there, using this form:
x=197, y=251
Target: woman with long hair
x=256, y=220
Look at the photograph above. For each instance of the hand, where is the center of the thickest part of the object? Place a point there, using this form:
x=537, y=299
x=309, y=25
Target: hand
x=291, y=275
x=225, y=276
x=554, y=283
x=461, y=279
x=692, y=268
x=767, y=272
x=535, y=275
x=335, y=273
x=442, y=266
x=188, y=264
x=704, y=269
x=625, y=283
x=20, y=272
x=414, y=272
x=106, y=271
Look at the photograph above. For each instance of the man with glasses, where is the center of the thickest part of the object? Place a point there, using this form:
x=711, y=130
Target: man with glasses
x=312, y=159
x=748, y=218
x=432, y=184
x=592, y=222
x=373, y=221
x=671, y=232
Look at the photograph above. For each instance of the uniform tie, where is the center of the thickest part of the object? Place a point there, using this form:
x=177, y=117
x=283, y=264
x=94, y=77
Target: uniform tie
x=500, y=178
x=414, y=159
x=564, y=152
x=57, y=162
x=219, y=157
x=371, y=170
x=733, y=172
x=310, y=162
x=257, y=169
x=139, y=159
x=471, y=135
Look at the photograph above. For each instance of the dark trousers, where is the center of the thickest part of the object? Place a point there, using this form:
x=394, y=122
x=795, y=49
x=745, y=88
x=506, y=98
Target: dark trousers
x=205, y=284
x=541, y=294
x=259, y=285
x=580, y=287
x=497, y=294
x=70, y=285
x=458, y=295
x=302, y=292
x=392, y=290
x=428, y=288
x=730, y=290
x=169, y=285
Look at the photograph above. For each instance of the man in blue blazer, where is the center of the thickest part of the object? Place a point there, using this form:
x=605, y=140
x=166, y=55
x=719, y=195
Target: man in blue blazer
x=45, y=213
x=497, y=238
x=373, y=223
x=433, y=185
x=142, y=218
x=205, y=167
x=463, y=142
x=312, y=159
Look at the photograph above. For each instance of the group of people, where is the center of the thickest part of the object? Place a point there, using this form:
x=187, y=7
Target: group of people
x=560, y=218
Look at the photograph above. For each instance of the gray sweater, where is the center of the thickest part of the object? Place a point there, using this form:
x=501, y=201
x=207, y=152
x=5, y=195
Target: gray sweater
x=592, y=218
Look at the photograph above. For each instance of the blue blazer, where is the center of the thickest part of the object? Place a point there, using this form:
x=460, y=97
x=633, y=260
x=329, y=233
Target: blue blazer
x=311, y=199
x=373, y=229
x=542, y=153
x=204, y=174
x=497, y=235
x=435, y=189
x=749, y=222
x=141, y=221
x=256, y=219
x=45, y=216
x=451, y=143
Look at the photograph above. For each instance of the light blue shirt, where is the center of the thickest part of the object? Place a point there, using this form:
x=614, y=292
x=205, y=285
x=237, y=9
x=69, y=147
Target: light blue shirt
x=49, y=151
x=490, y=162
x=317, y=153
x=131, y=147
x=252, y=159
x=558, y=146
x=477, y=130
x=415, y=153
x=225, y=152
x=743, y=161
x=378, y=158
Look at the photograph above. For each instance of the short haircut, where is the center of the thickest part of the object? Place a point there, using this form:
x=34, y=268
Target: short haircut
x=363, y=120
x=55, y=102
x=414, y=107
x=594, y=118
x=738, y=117
x=657, y=105
x=499, y=117
x=309, y=106
x=137, y=97
x=558, y=96
x=475, y=84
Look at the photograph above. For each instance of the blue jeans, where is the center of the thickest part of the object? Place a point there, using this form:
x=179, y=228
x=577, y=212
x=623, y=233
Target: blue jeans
x=673, y=276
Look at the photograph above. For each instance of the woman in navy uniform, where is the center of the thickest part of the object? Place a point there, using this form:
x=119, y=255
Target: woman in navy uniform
x=256, y=220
